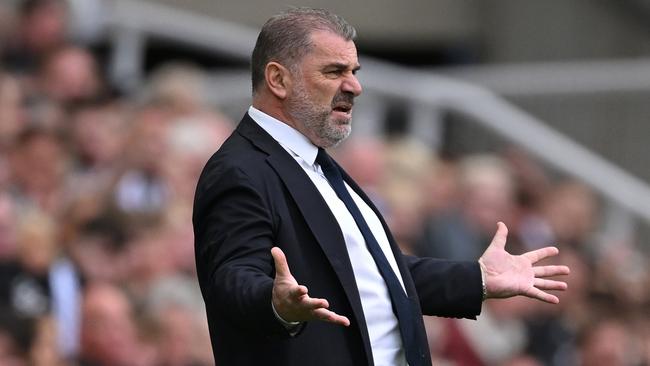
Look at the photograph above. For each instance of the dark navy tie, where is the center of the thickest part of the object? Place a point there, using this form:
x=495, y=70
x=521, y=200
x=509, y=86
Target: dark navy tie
x=402, y=305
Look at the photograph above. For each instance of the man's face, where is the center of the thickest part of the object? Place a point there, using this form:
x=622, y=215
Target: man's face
x=322, y=94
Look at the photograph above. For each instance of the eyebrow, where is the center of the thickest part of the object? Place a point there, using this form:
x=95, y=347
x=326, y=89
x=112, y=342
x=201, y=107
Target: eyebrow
x=341, y=66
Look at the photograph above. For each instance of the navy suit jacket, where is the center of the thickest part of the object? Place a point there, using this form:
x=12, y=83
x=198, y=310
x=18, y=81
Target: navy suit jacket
x=251, y=196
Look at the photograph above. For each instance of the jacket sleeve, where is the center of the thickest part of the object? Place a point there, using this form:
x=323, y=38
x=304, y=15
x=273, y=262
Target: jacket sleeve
x=447, y=288
x=233, y=239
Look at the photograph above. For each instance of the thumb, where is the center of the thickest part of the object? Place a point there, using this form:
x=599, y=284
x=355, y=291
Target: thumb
x=281, y=265
x=499, y=239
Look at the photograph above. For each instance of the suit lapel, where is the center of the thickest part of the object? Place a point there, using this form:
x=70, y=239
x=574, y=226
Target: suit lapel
x=316, y=213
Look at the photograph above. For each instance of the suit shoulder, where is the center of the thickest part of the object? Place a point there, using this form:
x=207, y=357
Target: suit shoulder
x=238, y=169
x=237, y=156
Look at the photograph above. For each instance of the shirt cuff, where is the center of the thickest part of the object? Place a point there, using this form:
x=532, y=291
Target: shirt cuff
x=484, y=295
x=292, y=327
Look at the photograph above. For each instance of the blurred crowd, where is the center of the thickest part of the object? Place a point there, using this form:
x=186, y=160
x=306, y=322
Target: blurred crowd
x=96, y=243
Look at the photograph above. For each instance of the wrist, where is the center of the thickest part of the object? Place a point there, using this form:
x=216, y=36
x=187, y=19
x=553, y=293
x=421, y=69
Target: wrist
x=287, y=324
x=484, y=294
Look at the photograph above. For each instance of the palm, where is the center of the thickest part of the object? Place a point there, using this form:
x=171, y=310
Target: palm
x=292, y=301
x=508, y=275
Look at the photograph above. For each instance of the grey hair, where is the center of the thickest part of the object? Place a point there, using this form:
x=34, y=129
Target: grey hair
x=286, y=38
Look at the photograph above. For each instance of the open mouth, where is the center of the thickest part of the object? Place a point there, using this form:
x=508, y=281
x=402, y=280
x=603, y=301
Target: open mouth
x=343, y=108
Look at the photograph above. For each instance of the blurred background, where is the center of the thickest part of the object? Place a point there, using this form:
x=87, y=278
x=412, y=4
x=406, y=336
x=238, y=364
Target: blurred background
x=534, y=113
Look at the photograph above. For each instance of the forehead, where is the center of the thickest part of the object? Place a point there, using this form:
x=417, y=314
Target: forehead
x=331, y=48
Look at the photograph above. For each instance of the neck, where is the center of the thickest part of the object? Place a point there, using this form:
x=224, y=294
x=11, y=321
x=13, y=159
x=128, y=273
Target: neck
x=276, y=110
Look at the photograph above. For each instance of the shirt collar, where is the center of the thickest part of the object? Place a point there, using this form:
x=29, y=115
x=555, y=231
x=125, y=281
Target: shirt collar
x=287, y=136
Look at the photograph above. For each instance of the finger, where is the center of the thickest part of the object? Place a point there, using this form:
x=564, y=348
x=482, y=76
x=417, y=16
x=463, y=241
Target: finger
x=550, y=271
x=539, y=254
x=499, y=239
x=550, y=284
x=538, y=294
x=298, y=291
x=281, y=265
x=331, y=317
x=310, y=303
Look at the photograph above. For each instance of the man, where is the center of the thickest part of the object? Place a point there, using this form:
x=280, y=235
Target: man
x=296, y=265
x=109, y=334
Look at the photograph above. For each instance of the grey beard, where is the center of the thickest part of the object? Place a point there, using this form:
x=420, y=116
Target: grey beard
x=316, y=121
x=329, y=137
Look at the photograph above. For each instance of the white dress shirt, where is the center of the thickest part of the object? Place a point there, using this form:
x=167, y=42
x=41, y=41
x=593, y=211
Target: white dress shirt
x=383, y=328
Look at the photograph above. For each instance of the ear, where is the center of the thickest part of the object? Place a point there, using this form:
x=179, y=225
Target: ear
x=278, y=79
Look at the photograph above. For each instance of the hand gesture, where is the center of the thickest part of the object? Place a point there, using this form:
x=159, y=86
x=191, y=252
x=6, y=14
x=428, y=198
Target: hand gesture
x=291, y=300
x=507, y=275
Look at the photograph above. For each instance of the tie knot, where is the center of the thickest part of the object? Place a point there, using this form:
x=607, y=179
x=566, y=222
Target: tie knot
x=323, y=159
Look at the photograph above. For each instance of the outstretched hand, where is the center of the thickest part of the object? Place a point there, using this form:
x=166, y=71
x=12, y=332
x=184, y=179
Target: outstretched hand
x=508, y=275
x=291, y=300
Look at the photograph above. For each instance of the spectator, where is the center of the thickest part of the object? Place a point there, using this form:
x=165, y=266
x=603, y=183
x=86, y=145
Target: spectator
x=12, y=113
x=407, y=163
x=109, y=334
x=177, y=309
x=46, y=286
x=141, y=188
x=39, y=163
x=97, y=247
x=364, y=159
x=70, y=75
x=41, y=28
x=606, y=343
x=487, y=195
x=190, y=140
x=180, y=87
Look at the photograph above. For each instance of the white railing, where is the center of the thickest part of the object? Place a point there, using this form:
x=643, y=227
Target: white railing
x=131, y=22
x=559, y=78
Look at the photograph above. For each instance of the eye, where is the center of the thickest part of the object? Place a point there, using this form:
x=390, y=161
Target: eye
x=334, y=73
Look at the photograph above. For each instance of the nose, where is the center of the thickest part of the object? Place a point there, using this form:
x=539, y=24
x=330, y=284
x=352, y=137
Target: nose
x=352, y=85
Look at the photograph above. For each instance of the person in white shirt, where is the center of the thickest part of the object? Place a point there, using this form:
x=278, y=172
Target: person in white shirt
x=296, y=265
